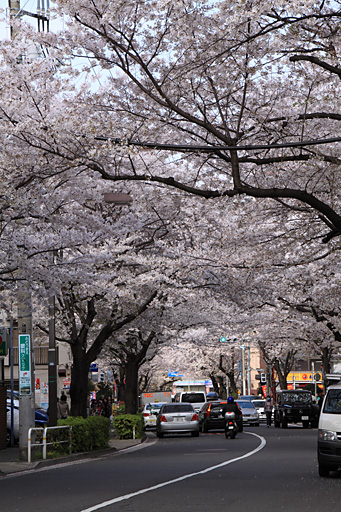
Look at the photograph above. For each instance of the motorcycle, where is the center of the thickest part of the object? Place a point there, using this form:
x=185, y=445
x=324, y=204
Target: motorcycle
x=231, y=427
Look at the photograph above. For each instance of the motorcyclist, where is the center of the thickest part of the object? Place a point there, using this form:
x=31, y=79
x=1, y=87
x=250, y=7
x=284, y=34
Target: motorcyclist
x=231, y=406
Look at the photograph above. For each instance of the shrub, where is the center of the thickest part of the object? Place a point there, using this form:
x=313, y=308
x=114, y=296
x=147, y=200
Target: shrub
x=87, y=433
x=99, y=428
x=124, y=425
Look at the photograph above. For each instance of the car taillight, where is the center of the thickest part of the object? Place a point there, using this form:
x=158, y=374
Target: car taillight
x=163, y=418
x=208, y=411
x=145, y=414
x=194, y=417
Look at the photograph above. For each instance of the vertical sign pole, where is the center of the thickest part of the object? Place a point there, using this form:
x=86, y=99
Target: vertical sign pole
x=26, y=370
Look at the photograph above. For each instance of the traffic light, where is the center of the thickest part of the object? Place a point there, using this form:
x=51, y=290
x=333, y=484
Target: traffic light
x=263, y=378
x=102, y=377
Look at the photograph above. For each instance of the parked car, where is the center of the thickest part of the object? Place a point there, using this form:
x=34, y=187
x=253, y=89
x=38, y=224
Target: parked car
x=196, y=398
x=211, y=417
x=150, y=412
x=295, y=406
x=177, y=418
x=40, y=415
x=250, y=414
x=15, y=424
x=329, y=432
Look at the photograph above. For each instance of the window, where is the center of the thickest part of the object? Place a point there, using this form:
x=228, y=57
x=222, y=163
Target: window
x=176, y=408
x=333, y=402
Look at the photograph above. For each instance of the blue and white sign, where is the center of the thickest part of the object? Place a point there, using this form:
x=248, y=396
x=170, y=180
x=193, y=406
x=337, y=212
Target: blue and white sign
x=93, y=368
x=174, y=374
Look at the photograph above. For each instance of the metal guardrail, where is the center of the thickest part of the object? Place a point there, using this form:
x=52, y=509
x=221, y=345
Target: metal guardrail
x=44, y=442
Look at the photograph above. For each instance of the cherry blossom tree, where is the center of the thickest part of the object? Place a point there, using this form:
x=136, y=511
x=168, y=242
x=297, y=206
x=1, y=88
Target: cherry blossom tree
x=211, y=133
x=222, y=98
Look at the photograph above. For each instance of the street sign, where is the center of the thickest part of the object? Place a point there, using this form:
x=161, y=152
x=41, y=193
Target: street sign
x=24, y=364
x=3, y=341
x=175, y=374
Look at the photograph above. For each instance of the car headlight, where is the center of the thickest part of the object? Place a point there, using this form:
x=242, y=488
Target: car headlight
x=327, y=435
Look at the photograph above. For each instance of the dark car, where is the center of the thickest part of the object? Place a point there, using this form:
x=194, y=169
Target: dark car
x=211, y=417
x=295, y=406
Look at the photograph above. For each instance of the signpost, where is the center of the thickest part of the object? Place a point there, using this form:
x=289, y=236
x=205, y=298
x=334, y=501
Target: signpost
x=25, y=364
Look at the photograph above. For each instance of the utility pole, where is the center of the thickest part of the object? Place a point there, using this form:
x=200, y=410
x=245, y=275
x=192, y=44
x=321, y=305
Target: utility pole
x=242, y=347
x=26, y=370
x=14, y=9
x=52, y=360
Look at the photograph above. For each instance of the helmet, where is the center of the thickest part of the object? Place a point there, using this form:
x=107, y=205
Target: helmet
x=230, y=400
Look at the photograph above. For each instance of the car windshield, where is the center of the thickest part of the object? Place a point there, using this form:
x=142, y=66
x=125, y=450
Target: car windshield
x=193, y=398
x=153, y=406
x=246, y=405
x=333, y=402
x=296, y=397
x=177, y=408
x=258, y=403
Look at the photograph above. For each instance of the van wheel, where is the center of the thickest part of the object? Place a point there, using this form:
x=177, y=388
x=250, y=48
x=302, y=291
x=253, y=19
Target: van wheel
x=284, y=424
x=277, y=424
x=195, y=434
x=305, y=424
x=323, y=470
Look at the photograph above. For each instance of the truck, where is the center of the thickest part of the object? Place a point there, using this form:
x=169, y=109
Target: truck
x=196, y=398
x=155, y=396
x=295, y=406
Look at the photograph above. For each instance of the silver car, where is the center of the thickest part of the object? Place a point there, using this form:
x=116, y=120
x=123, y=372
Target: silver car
x=250, y=413
x=176, y=418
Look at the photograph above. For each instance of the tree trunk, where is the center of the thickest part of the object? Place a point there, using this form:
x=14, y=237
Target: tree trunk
x=79, y=382
x=131, y=386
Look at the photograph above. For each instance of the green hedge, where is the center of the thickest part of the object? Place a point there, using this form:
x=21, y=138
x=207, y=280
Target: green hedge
x=90, y=433
x=124, y=426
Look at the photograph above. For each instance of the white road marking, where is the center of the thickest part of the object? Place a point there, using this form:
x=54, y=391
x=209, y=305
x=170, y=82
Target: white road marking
x=179, y=479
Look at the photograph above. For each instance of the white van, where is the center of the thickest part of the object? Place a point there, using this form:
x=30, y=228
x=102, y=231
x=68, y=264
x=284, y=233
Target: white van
x=196, y=398
x=329, y=432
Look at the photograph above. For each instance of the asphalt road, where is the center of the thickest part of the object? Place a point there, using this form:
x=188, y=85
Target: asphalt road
x=262, y=470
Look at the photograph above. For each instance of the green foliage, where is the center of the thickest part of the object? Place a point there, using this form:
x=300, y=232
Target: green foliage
x=124, y=426
x=99, y=428
x=104, y=390
x=87, y=433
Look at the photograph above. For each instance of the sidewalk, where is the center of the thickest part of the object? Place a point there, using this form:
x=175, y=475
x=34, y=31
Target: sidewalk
x=10, y=463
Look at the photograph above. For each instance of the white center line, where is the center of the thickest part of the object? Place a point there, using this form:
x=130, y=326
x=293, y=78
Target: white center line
x=179, y=479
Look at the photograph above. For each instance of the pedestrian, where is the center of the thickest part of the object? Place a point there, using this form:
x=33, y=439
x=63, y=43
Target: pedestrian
x=62, y=408
x=268, y=410
x=105, y=411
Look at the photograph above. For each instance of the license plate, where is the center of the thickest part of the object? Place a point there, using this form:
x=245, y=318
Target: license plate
x=305, y=418
x=179, y=418
x=231, y=427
